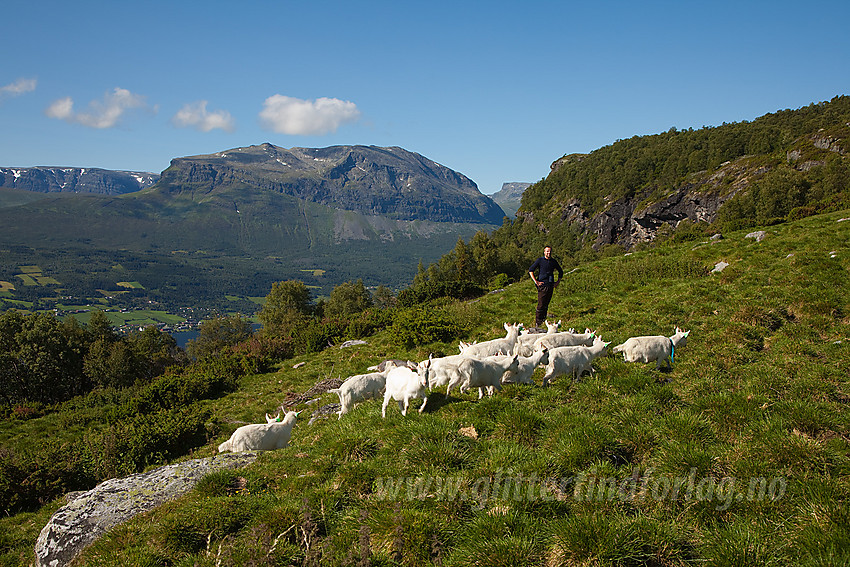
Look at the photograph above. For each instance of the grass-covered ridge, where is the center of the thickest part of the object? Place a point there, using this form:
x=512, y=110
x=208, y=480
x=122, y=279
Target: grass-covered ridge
x=738, y=456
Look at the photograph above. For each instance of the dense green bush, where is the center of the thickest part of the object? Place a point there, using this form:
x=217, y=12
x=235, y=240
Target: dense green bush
x=209, y=378
x=218, y=334
x=348, y=298
x=428, y=290
x=160, y=422
x=419, y=326
x=262, y=351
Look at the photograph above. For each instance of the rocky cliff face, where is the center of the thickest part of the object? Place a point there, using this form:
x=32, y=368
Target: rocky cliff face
x=387, y=182
x=75, y=180
x=639, y=218
x=630, y=221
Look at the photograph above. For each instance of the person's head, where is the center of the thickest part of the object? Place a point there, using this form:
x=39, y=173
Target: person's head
x=547, y=252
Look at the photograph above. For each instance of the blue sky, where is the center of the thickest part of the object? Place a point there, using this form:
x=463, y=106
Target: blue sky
x=495, y=90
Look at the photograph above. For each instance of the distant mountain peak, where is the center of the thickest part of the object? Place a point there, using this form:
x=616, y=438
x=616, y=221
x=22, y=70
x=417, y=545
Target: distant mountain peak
x=49, y=179
x=509, y=197
x=383, y=181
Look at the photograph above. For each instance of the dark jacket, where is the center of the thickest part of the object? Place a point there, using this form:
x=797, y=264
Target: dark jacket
x=547, y=269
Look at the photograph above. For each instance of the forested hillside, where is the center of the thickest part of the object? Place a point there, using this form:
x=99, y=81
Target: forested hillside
x=680, y=184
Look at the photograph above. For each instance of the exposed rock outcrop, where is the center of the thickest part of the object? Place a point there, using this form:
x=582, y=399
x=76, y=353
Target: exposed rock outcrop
x=638, y=218
x=89, y=515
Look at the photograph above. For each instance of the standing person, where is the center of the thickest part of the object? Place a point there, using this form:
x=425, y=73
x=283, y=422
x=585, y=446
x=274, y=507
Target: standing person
x=545, y=281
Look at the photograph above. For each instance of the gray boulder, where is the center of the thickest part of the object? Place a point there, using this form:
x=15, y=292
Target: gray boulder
x=758, y=235
x=88, y=515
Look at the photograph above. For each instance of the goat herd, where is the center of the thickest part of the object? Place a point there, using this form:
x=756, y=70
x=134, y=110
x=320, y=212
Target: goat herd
x=485, y=365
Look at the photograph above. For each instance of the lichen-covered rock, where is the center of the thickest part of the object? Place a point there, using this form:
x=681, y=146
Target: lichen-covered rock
x=88, y=515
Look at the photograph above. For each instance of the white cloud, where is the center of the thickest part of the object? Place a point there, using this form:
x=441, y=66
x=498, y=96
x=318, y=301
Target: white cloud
x=17, y=88
x=62, y=109
x=195, y=114
x=100, y=114
x=288, y=115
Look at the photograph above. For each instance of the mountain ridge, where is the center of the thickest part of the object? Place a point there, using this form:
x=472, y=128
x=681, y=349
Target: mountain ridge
x=54, y=179
x=509, y=197
x=238, y=220
x=390, y=182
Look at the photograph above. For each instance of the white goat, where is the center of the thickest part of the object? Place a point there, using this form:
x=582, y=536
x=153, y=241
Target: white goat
x=654, y=347
x=261, y=436
x=440, y=370
x=493, y=347
x=360, y=387
x=526, y=366
x=483, y=373
x=526, y=341
x=568, y=338
x=403, y=384
x=574, y=360
x=387, y=364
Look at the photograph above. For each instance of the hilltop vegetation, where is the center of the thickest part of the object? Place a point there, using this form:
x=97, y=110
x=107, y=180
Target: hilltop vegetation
x=682, y=184
x=739, y=455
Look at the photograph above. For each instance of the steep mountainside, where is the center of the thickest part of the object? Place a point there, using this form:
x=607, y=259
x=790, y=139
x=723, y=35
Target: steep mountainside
x=75, y=180
x=791, y=163
x=387, y=182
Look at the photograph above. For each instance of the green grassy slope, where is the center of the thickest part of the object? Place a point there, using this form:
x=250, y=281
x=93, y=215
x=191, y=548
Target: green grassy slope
x=738, y=456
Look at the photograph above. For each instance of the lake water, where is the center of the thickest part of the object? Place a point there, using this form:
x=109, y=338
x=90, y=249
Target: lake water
x=183, y=337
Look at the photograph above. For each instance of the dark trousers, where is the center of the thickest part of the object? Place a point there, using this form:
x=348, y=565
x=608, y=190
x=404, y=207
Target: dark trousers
x=544, y=296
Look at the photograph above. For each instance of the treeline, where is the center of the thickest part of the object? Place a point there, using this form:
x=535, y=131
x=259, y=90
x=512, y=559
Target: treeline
x=796, y=163
x=45, y=360
x=629, y=167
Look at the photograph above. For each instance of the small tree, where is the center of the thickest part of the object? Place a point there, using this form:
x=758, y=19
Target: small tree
x=217, y=334
x=157, y=348
x=383, y=298
x=113, y=363
x=286, y=307
x=348, y=298
x=99, y=327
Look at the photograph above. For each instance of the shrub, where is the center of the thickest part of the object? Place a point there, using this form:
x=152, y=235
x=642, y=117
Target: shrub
x=420, y=326
x=179, y=387
x=500, y=281
x=261, y=351
x=419, y=294
x=31, y=477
